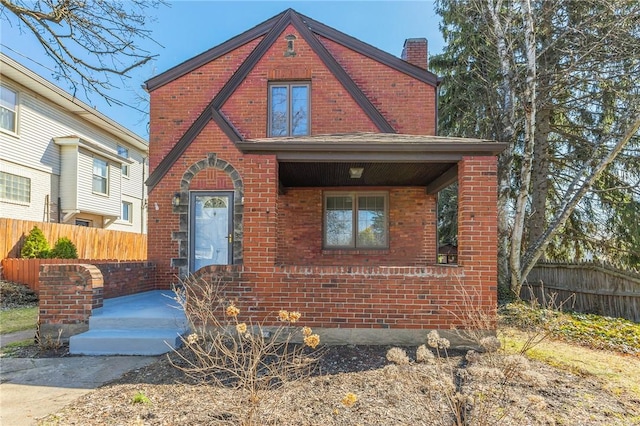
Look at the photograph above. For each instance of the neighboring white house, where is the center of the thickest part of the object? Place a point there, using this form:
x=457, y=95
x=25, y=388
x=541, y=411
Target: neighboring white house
x=63, y=161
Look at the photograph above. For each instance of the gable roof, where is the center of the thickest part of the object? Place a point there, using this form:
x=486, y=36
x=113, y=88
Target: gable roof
x=270, y=30
x=315, y=27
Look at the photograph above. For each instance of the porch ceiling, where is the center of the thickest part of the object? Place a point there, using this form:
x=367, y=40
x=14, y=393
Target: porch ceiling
x=374, y=174
x=388, y=159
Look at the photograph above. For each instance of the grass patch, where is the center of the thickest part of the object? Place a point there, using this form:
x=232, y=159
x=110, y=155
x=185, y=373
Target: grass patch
x=618, y=373
x=607, y=348
x=18, y=319
x=593, y=331
x=9, y=349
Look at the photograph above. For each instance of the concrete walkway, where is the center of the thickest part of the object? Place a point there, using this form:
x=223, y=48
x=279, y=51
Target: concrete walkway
x=18, y=336
x=32, y=388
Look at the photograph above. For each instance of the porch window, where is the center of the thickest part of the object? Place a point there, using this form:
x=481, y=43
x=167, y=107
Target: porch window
x=100, y=176
x=289, y=109
x=357, y=220
x=8, y=109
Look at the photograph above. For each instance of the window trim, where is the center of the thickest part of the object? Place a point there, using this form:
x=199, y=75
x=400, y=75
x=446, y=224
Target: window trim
x=16, y=111
x=129, y=220
x=354, y=212
x=93, y=176
x=289, y=85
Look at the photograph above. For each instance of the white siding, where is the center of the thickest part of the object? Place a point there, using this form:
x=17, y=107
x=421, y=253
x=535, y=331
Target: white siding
x=89, y=201
x=137, y=217
x=44, y=195
x=69, y=178
x=57, y=173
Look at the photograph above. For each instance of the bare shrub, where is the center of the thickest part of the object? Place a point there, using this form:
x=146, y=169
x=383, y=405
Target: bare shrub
x=398, y=356
x=424, y=355
x=482, y=387
x=224, y=351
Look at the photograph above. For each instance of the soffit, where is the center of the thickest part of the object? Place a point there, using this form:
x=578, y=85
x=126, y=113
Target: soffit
x=387, y=159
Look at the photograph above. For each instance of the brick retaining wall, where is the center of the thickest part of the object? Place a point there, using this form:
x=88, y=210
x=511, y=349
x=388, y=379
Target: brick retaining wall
x=70, y=292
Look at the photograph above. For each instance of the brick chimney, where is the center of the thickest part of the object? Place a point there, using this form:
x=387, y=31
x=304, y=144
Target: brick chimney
x=415, y=52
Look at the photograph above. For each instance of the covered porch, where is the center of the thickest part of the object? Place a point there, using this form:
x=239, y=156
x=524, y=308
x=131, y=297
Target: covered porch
x=389, y=290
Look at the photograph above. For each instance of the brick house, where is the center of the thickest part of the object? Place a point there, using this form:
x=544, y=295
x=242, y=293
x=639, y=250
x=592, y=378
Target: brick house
x=304, y=164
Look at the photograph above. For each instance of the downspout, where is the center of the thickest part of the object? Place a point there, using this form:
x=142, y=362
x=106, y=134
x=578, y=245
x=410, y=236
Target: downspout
x=143, y=202
x=438, y=82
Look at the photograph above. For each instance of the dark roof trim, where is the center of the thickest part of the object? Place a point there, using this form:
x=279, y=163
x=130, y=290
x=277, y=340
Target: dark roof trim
x=315, y=27
x=226, y=126
x=462, y=148
x=371, y=51
x=350, y=86
x=366, y=156
x=251, y=61
x=444, y=180
x=212, y=111
x=373, y=147
x=211, y=54
x=178, y=149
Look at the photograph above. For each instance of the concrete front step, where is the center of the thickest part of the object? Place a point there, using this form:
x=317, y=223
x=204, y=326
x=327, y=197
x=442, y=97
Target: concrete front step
x=149, y=323
x=125, y=342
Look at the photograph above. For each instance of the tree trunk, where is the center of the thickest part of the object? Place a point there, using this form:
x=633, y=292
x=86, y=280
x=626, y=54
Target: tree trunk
x=578, y=188
x=537, y=221
x=530, y=109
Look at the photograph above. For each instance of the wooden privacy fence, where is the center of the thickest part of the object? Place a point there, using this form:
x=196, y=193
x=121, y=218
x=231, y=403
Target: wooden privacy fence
x=598, y=288
x=92, y=243
x=27, y=271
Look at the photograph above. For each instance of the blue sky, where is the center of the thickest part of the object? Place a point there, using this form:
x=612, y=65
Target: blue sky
x=187, y=28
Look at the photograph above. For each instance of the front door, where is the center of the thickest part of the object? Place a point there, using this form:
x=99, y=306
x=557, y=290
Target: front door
x=211, y=229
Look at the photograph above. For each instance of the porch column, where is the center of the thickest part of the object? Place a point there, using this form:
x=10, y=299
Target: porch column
x=478, y=225
x=260, y=210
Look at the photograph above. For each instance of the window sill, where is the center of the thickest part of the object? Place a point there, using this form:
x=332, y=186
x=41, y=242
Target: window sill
x=16, y=202
x=345, y=251
x=13, y=134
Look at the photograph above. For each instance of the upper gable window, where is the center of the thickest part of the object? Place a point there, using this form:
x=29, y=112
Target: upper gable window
x=8, y=109
x=289, y=109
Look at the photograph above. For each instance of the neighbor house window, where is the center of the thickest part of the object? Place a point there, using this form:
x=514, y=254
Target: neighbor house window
x=8, y=109
x=124, y=152
x=127, y=208
x=100, y=176
x=15, y=188
x=289, y=109
x=81, y=222
x=356, y=220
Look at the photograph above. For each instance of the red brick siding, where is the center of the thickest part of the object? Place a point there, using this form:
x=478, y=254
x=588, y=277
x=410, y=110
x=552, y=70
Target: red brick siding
x=284, y=264
x=478, y=224
x=175, y=106
x=350, y=297
x=69, y=293
x=411, y=230
x=333, y=110
x=163, y=221
x=415, y=52
x=125, y=278
x=408, y=104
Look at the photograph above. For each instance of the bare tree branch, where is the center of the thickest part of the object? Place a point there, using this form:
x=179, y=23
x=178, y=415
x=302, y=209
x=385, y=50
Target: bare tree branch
x=90, y=41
